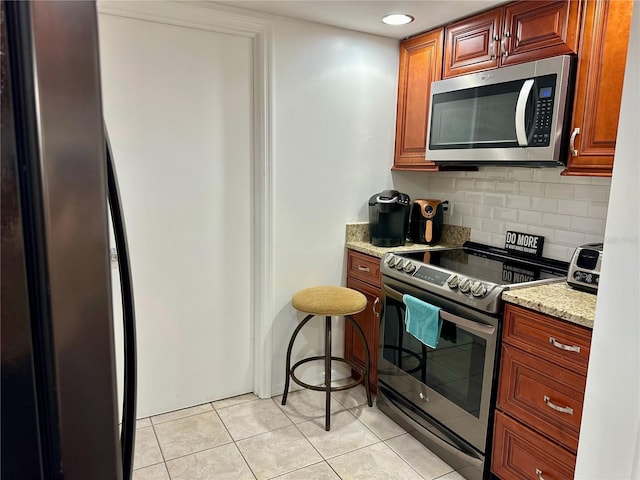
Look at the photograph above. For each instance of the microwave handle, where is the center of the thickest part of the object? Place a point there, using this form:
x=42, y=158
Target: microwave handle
x=521, y=108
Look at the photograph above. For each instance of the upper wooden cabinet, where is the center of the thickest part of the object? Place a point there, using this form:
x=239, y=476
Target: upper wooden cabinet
x=516, y=33
x=420, y=64
x=596, y=108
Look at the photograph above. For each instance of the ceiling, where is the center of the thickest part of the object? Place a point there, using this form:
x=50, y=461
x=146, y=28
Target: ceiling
x=366, y=15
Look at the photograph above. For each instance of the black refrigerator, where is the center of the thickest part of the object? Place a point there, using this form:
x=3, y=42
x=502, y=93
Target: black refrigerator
x=59, y=411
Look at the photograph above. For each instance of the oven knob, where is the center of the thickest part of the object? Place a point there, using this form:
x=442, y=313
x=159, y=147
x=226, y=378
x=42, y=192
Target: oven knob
x=399, y=264
x=409, y=267
x=464, y=285
x=478, y=290
x=392, y=261
x=452, y=281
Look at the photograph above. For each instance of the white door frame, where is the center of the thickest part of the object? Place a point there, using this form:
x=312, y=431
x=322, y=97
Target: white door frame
x=203, y=17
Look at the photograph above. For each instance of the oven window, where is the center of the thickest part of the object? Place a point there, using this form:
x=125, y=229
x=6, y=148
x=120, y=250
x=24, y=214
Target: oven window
x=454, y=369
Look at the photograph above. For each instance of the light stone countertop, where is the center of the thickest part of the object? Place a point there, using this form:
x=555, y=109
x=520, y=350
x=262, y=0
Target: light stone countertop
x=558, y=300
x=357, y=238
x=374, y=251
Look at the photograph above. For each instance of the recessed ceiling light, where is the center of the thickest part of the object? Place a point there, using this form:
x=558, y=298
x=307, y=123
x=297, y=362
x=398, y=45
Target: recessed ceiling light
x=397, y=19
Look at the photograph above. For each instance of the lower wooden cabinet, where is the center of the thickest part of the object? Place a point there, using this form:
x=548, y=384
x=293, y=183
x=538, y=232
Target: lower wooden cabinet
x=362, y=280
x=541, y=386
x=540, y=394
x=521, y=453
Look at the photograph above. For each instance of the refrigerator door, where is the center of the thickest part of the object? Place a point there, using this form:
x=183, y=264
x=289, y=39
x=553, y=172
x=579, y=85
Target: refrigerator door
x=59, y=403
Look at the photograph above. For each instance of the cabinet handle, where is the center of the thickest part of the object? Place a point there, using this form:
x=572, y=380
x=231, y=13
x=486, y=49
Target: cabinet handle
x=363, y=269
x=496, y=38
x=562, y=346
x=572, y=142
x=539, y=474
x=557, y=408
x=504, y=44
x=375, y=302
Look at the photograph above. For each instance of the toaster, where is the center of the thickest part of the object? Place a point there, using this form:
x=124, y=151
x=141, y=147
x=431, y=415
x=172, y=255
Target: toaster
x=584, y=267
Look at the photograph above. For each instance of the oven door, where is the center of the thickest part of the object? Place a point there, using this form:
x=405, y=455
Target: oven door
x=452, y=384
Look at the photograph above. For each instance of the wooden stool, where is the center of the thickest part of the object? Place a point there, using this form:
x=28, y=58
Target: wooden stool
x=328, y=301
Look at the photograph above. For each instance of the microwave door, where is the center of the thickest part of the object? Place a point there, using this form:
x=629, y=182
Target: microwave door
x=477, y=118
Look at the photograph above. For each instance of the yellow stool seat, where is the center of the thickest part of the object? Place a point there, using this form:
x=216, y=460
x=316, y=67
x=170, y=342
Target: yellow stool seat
x=329, y=300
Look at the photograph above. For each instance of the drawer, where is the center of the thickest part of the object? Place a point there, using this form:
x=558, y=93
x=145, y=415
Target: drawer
x=557, y=341
x=542, y=395
x=363, y=267
x=520, y=453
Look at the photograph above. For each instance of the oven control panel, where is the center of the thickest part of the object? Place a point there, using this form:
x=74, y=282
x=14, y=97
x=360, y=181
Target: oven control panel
x=465, y=289
x=438, y=277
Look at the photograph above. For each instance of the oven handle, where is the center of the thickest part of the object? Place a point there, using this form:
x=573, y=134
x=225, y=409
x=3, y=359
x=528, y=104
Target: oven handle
x=480, y=329
x=465, y=453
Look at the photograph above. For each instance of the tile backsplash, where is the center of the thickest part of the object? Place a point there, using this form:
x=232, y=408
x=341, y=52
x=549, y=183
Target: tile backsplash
x=567, y=211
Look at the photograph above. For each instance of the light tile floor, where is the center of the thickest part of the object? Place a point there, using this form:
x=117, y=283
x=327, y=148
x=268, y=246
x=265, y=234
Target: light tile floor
x=247, y=438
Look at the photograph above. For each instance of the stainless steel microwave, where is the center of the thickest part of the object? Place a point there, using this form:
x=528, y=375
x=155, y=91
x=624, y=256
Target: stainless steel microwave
x=510, y=116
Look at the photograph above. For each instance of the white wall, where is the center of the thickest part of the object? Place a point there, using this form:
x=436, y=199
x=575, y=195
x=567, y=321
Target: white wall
x=334, y=103
x=567, y=211
x=609, y=445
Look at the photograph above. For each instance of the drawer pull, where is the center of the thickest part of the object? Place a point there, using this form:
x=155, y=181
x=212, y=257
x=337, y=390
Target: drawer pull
x=557, y=408
x=363, y=269
x=562, y=346
x=376, y=302
x=539, y=474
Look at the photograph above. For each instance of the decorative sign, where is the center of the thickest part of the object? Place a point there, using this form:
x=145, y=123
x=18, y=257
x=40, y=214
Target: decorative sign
x=524, y=243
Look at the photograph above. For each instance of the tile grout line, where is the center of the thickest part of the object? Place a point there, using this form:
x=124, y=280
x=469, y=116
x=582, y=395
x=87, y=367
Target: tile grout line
x=324, y=460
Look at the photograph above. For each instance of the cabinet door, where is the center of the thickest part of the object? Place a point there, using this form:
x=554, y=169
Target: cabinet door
x=534, y=30
x=562, y=343
x=541, y=394
x=420, y=64
x=472, y=44
x=520, y=453
x=520, y=32
x=369, y=321
x=601, y=64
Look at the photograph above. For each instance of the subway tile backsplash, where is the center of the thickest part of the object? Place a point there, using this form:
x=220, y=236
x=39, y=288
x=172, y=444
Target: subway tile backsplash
x=567, y=211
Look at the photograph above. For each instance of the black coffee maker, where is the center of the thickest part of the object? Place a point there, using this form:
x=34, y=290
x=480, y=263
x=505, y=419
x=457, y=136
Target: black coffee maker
x=388, y=218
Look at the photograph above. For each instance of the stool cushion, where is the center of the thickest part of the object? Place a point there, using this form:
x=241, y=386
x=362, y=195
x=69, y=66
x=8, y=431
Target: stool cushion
x=329, y=300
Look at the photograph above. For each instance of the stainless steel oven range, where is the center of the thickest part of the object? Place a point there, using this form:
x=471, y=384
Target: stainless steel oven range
x=445, y=396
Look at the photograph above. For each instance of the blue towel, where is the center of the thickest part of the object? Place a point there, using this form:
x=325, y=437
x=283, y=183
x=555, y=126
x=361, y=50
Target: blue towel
x=422, y=320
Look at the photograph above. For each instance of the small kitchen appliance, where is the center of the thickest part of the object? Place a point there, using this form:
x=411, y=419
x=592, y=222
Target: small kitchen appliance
x=425, y=221
x=515, y=115
x=388, y=218
x=584, y=267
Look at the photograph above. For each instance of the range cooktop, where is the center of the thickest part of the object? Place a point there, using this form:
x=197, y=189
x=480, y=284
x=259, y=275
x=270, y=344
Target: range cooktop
x=474, y=274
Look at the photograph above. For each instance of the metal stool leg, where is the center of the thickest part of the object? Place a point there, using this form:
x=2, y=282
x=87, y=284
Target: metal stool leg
x=366, y=356
x=327, y=373
x=288, y=372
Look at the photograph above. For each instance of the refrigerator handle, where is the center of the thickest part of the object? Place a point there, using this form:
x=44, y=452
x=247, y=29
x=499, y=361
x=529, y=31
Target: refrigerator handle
x=128, y=433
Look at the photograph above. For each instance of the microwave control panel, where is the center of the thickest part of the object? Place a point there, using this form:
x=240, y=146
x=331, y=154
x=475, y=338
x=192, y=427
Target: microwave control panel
x=544, y=111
